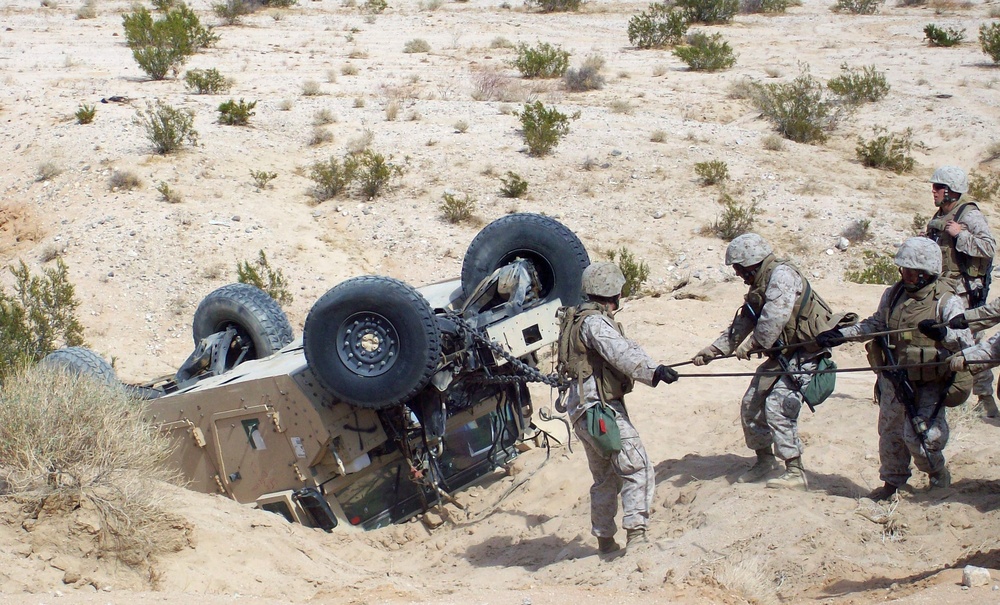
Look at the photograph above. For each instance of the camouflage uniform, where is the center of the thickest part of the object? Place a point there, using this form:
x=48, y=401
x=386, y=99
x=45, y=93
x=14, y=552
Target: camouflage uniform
x=628, y=472
x=897, y=440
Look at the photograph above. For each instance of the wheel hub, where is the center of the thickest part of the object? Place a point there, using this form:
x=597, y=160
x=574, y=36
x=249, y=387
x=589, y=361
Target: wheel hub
x=368, y=344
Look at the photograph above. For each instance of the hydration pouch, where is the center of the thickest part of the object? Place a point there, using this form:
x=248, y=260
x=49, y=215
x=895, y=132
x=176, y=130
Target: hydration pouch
x=822, y=385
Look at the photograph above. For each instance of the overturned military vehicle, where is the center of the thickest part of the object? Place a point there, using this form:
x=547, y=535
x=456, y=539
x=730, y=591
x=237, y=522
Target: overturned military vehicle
x=392, y=399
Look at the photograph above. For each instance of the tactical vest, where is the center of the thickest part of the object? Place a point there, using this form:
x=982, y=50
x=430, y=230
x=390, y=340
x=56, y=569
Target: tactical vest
x=810, y=315
x=955, y=264
x=906, y=310
x=579, y=363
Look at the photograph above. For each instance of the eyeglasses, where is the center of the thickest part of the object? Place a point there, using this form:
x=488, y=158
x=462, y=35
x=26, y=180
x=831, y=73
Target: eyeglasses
x=938, y=186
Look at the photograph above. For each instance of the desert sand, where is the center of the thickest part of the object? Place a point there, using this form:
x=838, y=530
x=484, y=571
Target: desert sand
x=141, y=265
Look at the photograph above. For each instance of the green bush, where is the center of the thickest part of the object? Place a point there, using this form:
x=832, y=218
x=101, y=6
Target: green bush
x=332, y=177
x=167, y=194
x=859, y=7
x=984, y=187
x=708, y=11
x=712, y=172
x=765, y=6
x=85, y=114
x=233, y=11
x=416, y=45
x=706, y=53
x=163, y=45
x=206, y=81
x=876, y=269
x=236, y=113
x=512, y=185
x=542, y=127
x=262, y=178
x=38, y=318
x=167, y=128
x=374, y=7
x=943, y=37
x=989, y=40
x=555, y=6
x=457, y=209
x=588, y=77
x=736, y=218
x=636, y=272
x=887, y=152
x=856, y=86
x=797, y=109
x=262, y=275
x=374, y=172
x=659, y=26
x=542, y=61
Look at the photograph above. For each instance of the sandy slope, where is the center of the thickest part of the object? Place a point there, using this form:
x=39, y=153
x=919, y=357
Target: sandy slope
x=141, y=266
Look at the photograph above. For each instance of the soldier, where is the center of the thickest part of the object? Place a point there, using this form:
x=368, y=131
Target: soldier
x=781, y=309
x=967, y=249
x=604, y=365
x=912, y=422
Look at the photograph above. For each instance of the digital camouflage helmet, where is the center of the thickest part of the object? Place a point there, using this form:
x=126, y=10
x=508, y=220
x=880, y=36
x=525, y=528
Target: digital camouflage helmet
x=952, y=177
x=919, y=254
x=603, y=279
x=747, y=250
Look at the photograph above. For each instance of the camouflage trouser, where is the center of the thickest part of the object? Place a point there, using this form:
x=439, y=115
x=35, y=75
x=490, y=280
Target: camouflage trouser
x=898, y=442
x=983, y=380
x=628, y=472
x=771, y=415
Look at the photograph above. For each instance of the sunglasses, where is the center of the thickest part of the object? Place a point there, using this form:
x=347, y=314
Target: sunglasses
x=938, y=186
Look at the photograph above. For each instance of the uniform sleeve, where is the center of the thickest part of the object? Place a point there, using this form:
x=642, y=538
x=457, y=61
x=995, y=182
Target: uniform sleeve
x=954, y=340
x=624, y=354
x=875, y=323
x=989, y=349
x=976, y=239
x=732, y=336
x=783, y=289
x=989, y=313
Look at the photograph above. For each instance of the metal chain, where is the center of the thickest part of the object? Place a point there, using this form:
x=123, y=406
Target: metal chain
x=525, y=373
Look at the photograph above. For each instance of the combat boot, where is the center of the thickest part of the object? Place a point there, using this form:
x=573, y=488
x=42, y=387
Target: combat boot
x=607, y=545
x=793, y=478
x=941, y=478
x=989, y=406
x=635, y=537
x=885, y=492
x=766, y=463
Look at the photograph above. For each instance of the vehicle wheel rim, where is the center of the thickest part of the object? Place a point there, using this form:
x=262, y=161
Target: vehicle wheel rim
x=367, y=344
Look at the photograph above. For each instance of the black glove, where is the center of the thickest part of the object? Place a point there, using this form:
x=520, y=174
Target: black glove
x=830, y=338
x=665, y=374
x=928, y=329
x=959, y=322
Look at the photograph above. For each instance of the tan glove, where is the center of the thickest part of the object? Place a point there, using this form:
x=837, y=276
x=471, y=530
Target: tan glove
x=706, y=355
x=743, y=351
x=957, y=363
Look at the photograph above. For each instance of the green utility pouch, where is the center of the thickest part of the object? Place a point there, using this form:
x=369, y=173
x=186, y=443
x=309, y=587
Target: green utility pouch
x=603, y=427
x=821, y=386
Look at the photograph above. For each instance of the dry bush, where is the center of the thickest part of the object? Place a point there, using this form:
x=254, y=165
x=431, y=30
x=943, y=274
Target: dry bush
x=492, y=85
x=47, y=170
x=746, y=577
x=124, y=180
x=69, y=438
x=319, y=136
x=363, y=141
x=311, y=88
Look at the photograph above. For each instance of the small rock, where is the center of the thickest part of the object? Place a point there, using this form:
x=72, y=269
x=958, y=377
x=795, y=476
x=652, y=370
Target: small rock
x=615, y=153
x=71, y=577
x=236, y=218
x=829, y=251
x=657, y=215
x=432, y=519
x=975, y=576
x=843, y=243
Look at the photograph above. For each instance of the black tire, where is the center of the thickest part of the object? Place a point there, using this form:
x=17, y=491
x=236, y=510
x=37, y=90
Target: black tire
x=556, y=252
x=256, y=316
x=384, y=323
x=82, y=361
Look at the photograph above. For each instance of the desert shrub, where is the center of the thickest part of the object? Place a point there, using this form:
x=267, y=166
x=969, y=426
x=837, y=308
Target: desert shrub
x=167, y=194
x=457, y=209
x=856, y=86
x=259, y=273
x=989, y=40
x=332, y=177
x=206, y=81
x=164, y=5
x=360, y=143
x=163, y=45
x=542, y=127
x=236, y=113
x=706, y=53
x=124, y=180
x=232, y=11
x=461, y=126
x=374, y=171
x=512, y=185
x=919, y=224
x=87, y=10
x=319, y=136
x=858, y=230
x=876, y=269
x=85, y=114
x=943, y=37
x=657, y=27
x=555, y=6
x=711, y=172
x=887, y=151
x=38, y=318
x=501, y=42
x=262, y=178
x=736, y=218
x=859, y=7
x=636, y=272
x=541, y=61
x=984, y=187
x=658, y=136
x=349, y=69
x=492, y=85
x=797, y=109
x=708, y=11
x=416, y=45
x=311, y=88
x=773, y=142
x=47, y=170
x=587, y=77
x=166, y=127
x=764, y=6
x=374, y=7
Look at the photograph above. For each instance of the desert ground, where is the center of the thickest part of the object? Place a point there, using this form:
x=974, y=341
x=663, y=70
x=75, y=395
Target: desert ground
x=141, y=264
